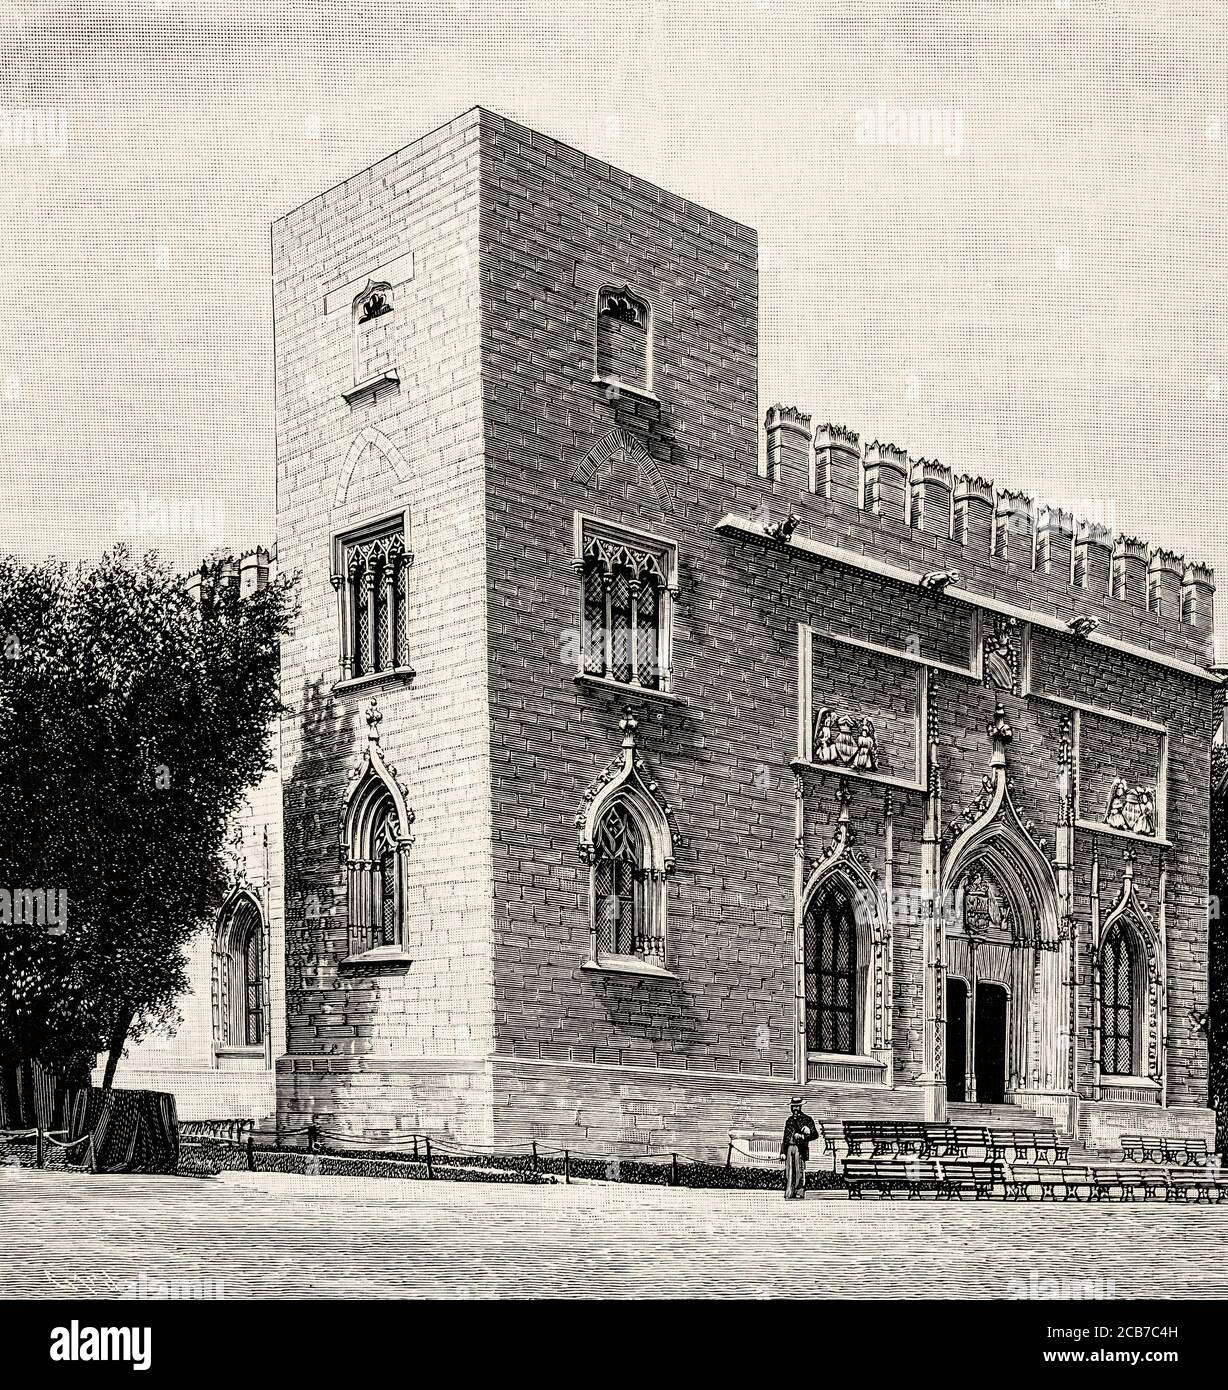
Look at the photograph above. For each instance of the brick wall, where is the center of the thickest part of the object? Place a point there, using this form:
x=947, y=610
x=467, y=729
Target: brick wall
x=415, y=447
x=551, y=220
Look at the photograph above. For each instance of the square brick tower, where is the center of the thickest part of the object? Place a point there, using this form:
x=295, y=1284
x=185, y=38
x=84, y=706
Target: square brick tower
x=479, y=341
x=636, y=774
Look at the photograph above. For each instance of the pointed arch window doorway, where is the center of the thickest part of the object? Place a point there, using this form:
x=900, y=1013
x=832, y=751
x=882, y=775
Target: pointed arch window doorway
x=1118, y=1004
x=834, y=973
x=239, y=951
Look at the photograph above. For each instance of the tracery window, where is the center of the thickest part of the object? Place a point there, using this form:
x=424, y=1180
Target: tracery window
x=372, y=590
x=1118, y=1004
x=619, y=875
x=625, y=620
x=831, y=970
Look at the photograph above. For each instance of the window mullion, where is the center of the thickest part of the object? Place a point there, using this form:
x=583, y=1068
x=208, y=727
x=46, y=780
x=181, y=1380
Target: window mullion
x=607, y=648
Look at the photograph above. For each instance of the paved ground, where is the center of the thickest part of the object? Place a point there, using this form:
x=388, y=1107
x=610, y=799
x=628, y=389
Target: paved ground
x=265, y=1235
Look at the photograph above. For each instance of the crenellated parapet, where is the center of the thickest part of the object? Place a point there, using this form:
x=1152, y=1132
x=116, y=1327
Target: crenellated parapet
x=248, y=572
x=1077, y=566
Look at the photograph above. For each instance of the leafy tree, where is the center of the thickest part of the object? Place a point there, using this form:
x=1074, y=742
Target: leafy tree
x=133, y=721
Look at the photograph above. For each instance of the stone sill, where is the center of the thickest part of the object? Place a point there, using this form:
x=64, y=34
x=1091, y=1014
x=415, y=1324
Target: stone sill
x=623, y=389
x=1099, y=828
x=628, y=965
x=1128, y=1083
x=392, y=956
x=848, y=1059
x=225, y=1050
x=632, y=692
x=371, y=388
x=905, y=783
x=401, y=674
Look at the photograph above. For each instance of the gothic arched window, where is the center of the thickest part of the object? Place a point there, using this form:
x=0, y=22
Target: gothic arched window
x=240, y=978
x=624, y=339
x=1118, y=1004
x=618, y=886
x=375, y=892
x=833, y=980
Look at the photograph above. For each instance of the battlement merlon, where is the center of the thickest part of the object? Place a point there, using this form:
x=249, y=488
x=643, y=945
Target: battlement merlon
x=249, y=572
x=1146, y=594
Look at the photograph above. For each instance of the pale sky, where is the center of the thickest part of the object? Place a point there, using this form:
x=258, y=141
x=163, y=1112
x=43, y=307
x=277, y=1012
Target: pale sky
x=1037, y=294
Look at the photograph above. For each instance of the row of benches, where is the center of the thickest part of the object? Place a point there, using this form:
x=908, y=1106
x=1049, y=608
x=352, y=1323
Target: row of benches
x=897, y=1138
x=1148, y=1148
x=1017, y=1182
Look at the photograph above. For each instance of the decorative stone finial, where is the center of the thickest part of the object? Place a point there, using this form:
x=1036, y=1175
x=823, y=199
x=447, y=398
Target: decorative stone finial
x=628, y=724
x=1000, y=731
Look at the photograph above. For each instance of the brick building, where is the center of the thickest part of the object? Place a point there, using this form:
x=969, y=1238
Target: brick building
x=643, y=765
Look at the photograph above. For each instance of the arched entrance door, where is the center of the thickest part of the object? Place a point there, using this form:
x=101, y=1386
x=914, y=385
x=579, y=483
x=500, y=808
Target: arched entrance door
x=989, y=1043
x=957, y=1040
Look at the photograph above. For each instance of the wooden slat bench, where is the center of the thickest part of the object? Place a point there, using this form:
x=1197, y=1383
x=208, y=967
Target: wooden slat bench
x=1028, y=1145
x=1076, y=1183
x=1150, y=1148
x=886, y=1176
x=1195, y=1184
x=874, y=1136
x=977, y=1176
x=1128, y=1181
x=961, y=1140
x=896, y=1138
x=915, y=1176
x=832, y=1134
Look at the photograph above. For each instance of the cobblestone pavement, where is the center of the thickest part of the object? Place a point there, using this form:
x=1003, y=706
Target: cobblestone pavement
x=265, y=1235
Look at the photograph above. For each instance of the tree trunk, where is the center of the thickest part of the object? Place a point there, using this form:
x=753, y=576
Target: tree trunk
x=119, y=1035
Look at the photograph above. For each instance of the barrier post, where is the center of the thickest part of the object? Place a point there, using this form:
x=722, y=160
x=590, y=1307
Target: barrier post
x=729, y=1157
x=430, y=1167
x=535, y=1155
x=39, y=1147
x=251, y=1154
x=415, y=1148
x=566, y=1165
x=313, y=1137
x=93, y=1155
x=674, y=1170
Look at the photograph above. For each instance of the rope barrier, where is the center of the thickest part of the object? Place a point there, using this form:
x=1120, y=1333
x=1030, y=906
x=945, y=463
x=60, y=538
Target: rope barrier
x=71, y=1143
x=428, y=1149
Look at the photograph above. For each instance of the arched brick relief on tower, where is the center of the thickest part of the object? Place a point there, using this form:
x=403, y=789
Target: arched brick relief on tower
x=616, y=446
x=367, y=448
